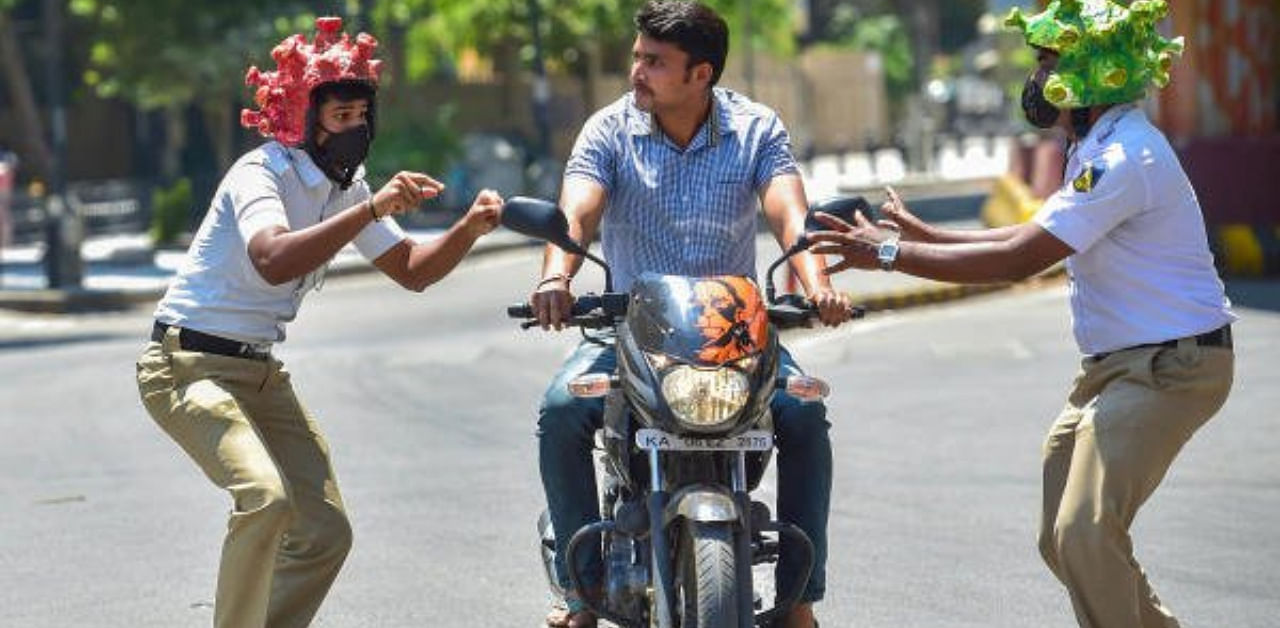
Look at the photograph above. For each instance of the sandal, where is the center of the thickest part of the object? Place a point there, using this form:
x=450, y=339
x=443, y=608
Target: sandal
x=571, y=613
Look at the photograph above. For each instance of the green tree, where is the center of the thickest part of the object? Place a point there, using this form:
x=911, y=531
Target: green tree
x=881, y=33
x=438, y=31
x=168, y=55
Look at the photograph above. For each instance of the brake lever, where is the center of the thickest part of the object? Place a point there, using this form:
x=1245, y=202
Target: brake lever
x=589, y=321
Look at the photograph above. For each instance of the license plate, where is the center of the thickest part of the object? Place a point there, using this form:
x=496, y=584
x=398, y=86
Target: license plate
x=754, y=440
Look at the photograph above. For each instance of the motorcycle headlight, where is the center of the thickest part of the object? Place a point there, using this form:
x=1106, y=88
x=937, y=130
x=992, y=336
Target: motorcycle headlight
x=705, y=398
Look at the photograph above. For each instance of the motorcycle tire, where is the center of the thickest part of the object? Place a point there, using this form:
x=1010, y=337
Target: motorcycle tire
x=708, y=578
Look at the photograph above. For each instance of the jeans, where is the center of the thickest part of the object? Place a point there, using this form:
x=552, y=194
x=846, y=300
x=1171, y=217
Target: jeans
x=566, y=426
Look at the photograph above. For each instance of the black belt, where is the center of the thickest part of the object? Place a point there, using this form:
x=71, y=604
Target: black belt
x=1220, y=337
x=192, y=340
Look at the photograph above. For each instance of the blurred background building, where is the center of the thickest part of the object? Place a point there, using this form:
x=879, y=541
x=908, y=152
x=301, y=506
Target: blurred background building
x=134, y=105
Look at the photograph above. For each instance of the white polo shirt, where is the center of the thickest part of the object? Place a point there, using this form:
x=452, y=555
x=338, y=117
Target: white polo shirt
x=1142, y=271
x=217, y=290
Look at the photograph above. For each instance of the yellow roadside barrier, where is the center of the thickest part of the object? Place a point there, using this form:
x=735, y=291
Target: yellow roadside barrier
x=1010, y=203
x=1241, y=250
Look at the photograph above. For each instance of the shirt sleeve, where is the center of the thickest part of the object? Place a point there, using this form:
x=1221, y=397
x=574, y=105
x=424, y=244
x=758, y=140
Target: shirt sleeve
x=775, y=158
x=378, y=236
x=1106, y=193
x=255, y=194
x=593, y=153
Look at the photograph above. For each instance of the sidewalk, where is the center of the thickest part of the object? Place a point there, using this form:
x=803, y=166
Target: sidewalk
x=122, y=271
x=118, y=276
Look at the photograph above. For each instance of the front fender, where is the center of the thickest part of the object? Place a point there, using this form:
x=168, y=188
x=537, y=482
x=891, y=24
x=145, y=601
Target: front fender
x=702, y=502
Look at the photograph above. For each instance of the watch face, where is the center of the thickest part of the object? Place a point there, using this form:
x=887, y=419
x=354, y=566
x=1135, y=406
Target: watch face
x=888, y=251
x=887, y=254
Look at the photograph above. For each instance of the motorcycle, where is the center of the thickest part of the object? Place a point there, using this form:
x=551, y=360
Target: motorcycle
x=687, y=434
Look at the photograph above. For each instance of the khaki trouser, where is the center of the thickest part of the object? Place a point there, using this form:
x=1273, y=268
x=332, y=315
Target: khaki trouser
x=240, y=421
x=1125, y=420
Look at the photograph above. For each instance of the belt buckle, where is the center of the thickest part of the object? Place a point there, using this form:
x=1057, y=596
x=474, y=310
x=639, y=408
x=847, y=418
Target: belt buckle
x=255, y=351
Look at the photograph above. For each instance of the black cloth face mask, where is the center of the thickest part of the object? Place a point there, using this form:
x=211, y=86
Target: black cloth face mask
x=1038, y=110
x=341, y=153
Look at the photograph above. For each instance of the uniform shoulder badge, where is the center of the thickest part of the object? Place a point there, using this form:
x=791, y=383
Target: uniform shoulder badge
x=1088, y=179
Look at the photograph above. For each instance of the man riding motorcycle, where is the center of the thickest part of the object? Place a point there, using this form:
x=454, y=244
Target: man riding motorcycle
x=670, y=174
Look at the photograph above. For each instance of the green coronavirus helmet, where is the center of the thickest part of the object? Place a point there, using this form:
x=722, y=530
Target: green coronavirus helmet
x=1107, y=54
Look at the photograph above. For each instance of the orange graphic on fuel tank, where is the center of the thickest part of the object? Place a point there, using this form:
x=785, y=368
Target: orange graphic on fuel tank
x=733, y=320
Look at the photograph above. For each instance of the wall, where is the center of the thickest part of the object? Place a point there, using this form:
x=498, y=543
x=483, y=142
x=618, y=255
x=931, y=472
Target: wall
x=1225, y=84
x=831, y=101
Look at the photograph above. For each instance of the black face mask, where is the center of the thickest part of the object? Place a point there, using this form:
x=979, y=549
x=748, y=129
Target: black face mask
x=1038, y=110
x=342, y=153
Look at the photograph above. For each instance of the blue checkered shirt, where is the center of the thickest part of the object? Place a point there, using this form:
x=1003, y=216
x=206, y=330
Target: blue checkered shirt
x=681, y=212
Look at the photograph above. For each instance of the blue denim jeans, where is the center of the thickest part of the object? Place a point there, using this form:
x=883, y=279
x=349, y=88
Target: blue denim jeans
x=566, y=426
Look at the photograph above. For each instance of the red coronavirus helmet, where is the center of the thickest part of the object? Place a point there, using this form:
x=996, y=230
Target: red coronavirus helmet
x=284, y=96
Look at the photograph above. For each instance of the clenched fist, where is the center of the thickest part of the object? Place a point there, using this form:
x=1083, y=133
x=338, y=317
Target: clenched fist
x=484, y=215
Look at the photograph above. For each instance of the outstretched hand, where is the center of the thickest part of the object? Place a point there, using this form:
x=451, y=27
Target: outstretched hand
x=404, y=192
x=898, y=217
x=856, y=243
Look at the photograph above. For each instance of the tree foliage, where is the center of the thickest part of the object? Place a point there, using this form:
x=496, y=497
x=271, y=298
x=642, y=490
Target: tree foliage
x=158, y=53
x=438, y=32
x=882, y=33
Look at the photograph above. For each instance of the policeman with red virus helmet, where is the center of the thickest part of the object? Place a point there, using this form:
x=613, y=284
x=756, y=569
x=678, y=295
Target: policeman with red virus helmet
x=209, y=376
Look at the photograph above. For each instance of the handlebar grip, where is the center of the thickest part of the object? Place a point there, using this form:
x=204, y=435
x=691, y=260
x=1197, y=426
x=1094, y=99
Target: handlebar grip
x=520, y=310
x=798, y=313
x=584, y=304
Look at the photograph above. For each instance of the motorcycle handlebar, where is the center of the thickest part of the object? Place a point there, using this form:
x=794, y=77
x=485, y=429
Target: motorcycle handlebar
x=581, y=306
x=795, y=311
x=595, y=311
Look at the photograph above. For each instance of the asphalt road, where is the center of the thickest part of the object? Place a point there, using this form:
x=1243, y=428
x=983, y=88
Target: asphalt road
x=428, y=402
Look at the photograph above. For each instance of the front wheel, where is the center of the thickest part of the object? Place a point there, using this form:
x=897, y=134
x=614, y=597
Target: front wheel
x=707, y=583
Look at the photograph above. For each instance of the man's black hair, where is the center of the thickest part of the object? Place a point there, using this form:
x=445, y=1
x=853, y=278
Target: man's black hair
x=693, y=27
x=343, y=91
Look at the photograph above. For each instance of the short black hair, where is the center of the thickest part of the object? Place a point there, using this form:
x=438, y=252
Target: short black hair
x=344, y=91
x=693, y=27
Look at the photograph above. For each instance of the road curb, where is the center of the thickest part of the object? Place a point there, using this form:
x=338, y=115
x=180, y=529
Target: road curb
x=907, y=298
x=77, y=301
x=85, y=300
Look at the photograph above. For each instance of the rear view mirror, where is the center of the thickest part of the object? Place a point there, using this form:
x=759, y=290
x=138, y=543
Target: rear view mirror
x=541, y=219
x=842, y=207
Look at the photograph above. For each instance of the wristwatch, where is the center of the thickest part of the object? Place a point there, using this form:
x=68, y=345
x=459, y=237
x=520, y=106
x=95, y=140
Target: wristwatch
x=887, y=252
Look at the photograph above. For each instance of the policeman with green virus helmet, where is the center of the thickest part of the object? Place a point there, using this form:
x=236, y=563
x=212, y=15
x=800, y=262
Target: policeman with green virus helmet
x=1149, y=313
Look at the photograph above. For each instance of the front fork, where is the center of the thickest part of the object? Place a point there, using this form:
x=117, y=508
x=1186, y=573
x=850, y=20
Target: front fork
x=742, y=552
x=663, y=578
